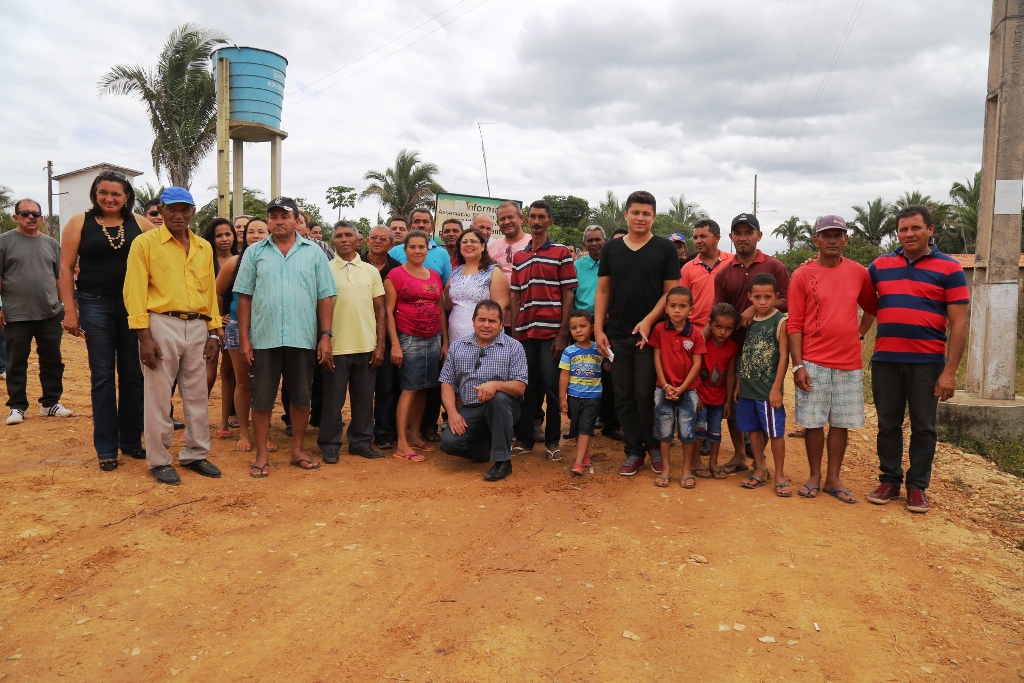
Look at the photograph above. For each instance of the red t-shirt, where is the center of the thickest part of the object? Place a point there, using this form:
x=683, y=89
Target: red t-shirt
x=678, y=347
x=714, y=370
x=823, y=306
x=418, y=309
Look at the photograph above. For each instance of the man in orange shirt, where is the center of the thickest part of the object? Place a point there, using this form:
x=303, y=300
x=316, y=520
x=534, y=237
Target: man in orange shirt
x=698, y=275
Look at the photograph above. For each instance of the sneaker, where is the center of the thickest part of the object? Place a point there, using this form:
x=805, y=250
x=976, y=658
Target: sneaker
x=656, y=462
x=56, y=410
x=577, y=469
x=16, y=417
x=554, y=454
x=884, y=493
x=917, y=501
x=632, y=464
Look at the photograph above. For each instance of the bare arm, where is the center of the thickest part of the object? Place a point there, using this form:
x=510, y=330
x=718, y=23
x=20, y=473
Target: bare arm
x=866, y=321
x=226, y=276
x=775, y=395
x=514, y=309
x=562, y=339
x=325, y=321
x=444, y=334
x=70, y=241
x=643, y=328
x=244, y=317
x=730, y=387
x=500, y=289
x=380, y=317
x=390, y=301
x=604, y=288
x=456, y=423
x=945, y=387
x=563, y=390
x=693, y=374
x=801, y=379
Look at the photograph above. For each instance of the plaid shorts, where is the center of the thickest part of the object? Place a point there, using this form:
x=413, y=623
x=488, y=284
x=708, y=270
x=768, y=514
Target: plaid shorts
x=836, y=397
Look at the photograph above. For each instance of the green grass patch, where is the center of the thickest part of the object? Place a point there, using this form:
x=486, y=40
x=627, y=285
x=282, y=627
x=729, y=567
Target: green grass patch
x=1006, y=453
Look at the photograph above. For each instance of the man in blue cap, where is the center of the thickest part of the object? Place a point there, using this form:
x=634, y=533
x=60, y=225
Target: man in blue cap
x=171, y=298
x=679, y=240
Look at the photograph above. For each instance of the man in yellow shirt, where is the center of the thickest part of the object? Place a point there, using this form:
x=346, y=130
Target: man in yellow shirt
x=172, y=303
x=357, y=348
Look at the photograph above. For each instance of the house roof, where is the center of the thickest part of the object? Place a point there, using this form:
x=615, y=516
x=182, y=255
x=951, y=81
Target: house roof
x=967, y=260
x=95, y=167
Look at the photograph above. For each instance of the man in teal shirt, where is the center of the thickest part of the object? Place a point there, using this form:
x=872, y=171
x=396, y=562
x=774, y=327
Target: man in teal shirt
x=586, y=267
x=437, y=259
x=285, y=321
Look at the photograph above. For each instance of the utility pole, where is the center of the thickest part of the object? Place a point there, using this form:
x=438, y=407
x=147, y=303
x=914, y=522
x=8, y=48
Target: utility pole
x=755, y=195
x=479, y=127
x=49, y=201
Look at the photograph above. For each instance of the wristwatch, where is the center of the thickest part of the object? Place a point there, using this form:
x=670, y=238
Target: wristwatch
x=797, y=367
x=329, y=333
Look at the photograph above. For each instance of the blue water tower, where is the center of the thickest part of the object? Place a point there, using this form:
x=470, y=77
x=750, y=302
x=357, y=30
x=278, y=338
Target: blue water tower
x=250, y=91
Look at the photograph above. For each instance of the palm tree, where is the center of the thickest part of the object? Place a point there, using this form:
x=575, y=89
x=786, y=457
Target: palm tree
x=179, y=95
x=875, y=222
x=791, y=230
x=609, y=214
x=964, y=211
x=408, y=185
x=144, y=193
x=684, y=212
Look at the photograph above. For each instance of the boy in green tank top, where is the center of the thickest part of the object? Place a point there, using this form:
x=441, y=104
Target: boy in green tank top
x=762, y=371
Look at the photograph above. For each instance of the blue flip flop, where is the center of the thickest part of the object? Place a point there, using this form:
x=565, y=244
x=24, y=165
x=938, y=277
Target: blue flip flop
x=810, y=491
x=835, y=494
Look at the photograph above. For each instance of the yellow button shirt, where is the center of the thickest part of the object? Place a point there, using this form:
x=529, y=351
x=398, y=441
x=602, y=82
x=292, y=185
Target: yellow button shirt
x=355, y=325
x=161, y=277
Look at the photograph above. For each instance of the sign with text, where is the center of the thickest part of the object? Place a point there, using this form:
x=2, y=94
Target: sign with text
x=462, y=207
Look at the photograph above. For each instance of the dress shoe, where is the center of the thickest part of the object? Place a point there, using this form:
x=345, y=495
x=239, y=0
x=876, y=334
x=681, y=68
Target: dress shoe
x=166, y=474
x=138, y=453
x=613, y=434
x=384, y=441
x=178, y=424
x=204, y=467
x=500, y=470
x=288, y=430
x=108, y=464
x=365, y=450
x=330, y=456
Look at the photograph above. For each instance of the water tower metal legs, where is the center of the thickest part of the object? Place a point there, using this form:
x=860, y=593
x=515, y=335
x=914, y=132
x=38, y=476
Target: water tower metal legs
x=237, y=204
x=275, y=167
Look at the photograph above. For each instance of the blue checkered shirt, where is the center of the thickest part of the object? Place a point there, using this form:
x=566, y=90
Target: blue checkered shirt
x=503, y=360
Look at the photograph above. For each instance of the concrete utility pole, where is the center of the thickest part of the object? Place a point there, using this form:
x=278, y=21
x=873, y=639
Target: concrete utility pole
x=989, y=408
x=49, y=200
x=223, y=136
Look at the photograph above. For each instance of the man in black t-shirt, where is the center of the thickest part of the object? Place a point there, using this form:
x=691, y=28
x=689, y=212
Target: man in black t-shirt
x=635, y=274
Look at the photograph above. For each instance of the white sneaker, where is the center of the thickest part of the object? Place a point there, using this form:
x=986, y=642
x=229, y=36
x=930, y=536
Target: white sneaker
x=16, y=417
x=3, y=375
x=56, y=410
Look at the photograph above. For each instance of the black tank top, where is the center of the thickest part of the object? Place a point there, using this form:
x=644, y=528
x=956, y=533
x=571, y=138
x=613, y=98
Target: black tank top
x=101, y=267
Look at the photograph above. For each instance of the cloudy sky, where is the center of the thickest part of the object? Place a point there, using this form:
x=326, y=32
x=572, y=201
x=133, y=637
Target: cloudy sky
x=672, y=96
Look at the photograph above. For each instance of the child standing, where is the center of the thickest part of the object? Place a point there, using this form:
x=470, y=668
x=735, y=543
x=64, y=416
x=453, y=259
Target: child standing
x=678, y=349
x=579, y=385
x=717, y=384
x=763, y=364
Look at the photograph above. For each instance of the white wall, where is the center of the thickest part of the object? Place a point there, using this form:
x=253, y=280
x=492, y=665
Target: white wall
x=77, y=198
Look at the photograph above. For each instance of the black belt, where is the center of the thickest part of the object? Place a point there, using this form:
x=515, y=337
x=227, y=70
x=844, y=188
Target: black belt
x=185, y=316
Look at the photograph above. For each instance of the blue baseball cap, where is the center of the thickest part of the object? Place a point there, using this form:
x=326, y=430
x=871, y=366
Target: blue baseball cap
x=678, y=237
x=176, y=195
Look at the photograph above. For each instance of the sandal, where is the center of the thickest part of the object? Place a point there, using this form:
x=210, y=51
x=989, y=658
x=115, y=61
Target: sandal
x=223, y=434
x=780, y=486
x=719, y=474
x=691, y=485
x=425, y=447
x=234, y=424
x=302, y=464
x=271, y=447
x=753, y=482
x=811, y=491
x=243, y=447
x=732, y=468
x=577, y=468
x=662, y=481
x=411, y=457
x=846, y=492
x=703, y=473
x=798, y=433
x=257, y=472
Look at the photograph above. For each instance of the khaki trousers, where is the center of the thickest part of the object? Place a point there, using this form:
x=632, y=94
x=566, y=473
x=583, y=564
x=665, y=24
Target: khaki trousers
x=182, y=343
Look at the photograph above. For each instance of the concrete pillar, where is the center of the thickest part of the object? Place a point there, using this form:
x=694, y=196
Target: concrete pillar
x=223, y=136
x=991, y=368
x=275, y=167
x=237, y=206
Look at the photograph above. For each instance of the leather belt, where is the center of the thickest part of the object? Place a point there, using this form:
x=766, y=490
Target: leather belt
x=185, y=316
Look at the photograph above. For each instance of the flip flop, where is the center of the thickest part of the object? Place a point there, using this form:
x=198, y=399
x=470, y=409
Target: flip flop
x=271, y=447
x=411, y=457
x=758, y=482
x=301, y=464
x=662, y=481
x=691, y=485
x=779, y=485
x=425, y=447
x=234, y=424
x=835, y=494
x=256, y=472
x=703, y=473
x=735, y=468
x=719, y=474
x=798, y=433
x=812, y=491
x=223, y=434
x=243, y=447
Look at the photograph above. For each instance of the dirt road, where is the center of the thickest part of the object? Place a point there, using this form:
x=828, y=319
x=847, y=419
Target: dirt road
x=388, y=570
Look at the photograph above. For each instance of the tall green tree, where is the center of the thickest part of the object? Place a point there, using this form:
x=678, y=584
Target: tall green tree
x=685, y=213
x=946, y=236
x=408, y=185
x=340, y=197
x=790, y=230
x=966, y=198
x=874, y=221
x=144, y=193
x=568, y=211
x=609, y=213
x=179, y=96
x=6, y=206
x=253, y=204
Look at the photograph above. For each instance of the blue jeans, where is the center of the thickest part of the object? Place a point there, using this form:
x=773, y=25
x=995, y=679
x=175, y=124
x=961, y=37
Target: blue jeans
x=488, y=430
x=116, y=420
x=675, y=417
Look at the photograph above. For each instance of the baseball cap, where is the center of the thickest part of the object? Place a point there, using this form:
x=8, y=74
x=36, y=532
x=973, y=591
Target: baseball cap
x=176, y=195
x=678, y=237
x=748, y=218
x=282, y=203
x=830, y=223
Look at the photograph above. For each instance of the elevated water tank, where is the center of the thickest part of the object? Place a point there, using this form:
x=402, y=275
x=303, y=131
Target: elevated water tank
x=257, y=84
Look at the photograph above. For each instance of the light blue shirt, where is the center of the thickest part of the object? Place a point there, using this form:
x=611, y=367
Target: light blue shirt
x=586, y=276
x=437, y=259
x=285, y=289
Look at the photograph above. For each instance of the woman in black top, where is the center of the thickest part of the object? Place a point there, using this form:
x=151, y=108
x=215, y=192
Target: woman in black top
x=99, y=240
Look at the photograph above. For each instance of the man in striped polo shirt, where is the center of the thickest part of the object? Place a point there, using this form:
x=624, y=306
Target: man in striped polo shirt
x=920, y=289
x=543, y=288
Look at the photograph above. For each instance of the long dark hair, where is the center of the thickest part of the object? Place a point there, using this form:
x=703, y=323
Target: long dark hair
x=114, y=177
x=211, y=231
x=485, y=258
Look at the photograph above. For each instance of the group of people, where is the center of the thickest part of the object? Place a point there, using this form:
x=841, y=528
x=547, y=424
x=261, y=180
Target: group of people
x=500, y=328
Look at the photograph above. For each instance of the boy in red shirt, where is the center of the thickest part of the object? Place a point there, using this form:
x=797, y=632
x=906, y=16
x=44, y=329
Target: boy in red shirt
x=678, y=349
x=717, y=384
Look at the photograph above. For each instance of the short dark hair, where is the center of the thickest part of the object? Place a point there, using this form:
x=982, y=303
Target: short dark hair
x=414, y=234
x=155, y=201
x=724, y=310
x=710, y=225
x=620, y=231
x=763, y=279
x=447, y=221
x=641, y=197
x=580, y=313
x=397, y=218
x=489, y=304
x=344, y=224
x=541, y=204
x=113, y=177
x=420, y=210
x=679, y=290
x=916, y=210
x=17, y=204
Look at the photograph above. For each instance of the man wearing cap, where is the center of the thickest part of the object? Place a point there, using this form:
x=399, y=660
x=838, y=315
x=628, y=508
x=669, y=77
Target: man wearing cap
x=679, y=240
x=171, y=298
x=825, y=344
x=732, y=283
x=285, y=315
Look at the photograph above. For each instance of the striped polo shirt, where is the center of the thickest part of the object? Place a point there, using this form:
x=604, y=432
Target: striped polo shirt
x=912, y=301
x=539, y=276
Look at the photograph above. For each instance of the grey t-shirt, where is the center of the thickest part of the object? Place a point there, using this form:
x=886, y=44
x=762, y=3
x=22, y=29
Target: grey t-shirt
x=29, y=267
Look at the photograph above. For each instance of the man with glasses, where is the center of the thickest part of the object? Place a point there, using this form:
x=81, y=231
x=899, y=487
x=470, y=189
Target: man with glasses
x=29, y=270
x=482, y=383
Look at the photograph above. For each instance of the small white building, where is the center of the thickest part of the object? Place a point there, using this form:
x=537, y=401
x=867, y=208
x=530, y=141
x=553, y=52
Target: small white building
x=74, y=188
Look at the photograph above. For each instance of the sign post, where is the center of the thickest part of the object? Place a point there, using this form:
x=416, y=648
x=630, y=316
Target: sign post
x=463, y=207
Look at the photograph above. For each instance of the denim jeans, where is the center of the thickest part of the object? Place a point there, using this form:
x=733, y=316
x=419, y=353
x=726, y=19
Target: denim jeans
x=48, y=334
x=635, y=381
x=488, y=430
x=675, y=417
x=116, y=406
x=897, y=387
x=543, y=381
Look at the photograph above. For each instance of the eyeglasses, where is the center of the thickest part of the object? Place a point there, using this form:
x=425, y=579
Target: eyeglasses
x=153, y=213
x=34, y=214
x=480, y=358
x=379, y=238
x=472, y=242
x=112, y=174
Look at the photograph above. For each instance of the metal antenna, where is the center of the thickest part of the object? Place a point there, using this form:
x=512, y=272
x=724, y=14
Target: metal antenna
x=479, y=127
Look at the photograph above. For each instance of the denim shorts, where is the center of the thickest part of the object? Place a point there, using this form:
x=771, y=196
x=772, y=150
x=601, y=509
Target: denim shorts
x=231, y=336
x=421, y=362
x=583, y=414
x=709, y=423
x=672, y=417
